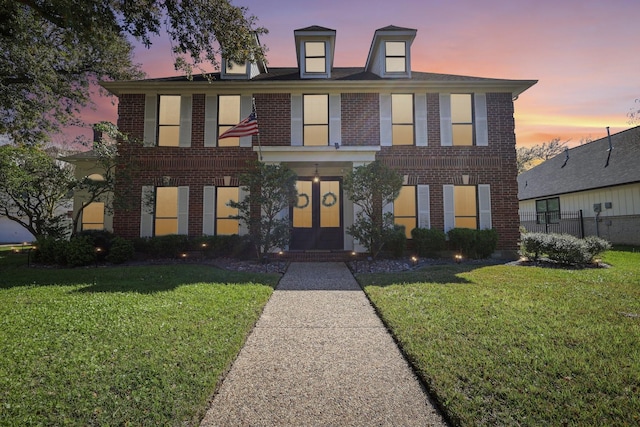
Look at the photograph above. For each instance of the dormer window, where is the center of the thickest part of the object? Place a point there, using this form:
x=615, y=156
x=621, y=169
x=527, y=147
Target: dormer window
x=395, y=57
x=233, y=68
x=315, y=57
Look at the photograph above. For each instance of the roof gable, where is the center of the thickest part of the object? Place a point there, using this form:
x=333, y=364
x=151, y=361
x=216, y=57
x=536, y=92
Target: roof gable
x=589, y=166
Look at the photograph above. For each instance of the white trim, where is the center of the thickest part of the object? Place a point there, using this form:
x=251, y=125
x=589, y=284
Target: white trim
x=446, y=131
x=424, y=206
x=186, y=102
x=386, y=125
x=278, y=154
x=146, y=210
x=335, y=119
x=296, y=120
x=209, y=210
x=480, y=119
x=420, y=101
x=484, y=206
x=211, y=121
x=449, y=208
x=150, y=120
x=183, y=210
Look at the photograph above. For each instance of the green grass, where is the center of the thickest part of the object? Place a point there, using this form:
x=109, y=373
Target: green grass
x=119, y=346
x=507, y=345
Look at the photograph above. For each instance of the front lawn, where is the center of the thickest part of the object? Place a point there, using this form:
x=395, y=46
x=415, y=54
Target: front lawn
x=510, y=345
x=119, y=346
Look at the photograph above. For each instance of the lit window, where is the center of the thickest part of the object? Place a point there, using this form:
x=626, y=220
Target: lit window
x=233, y=67
x=404, y=209
x=462, y=119
x=316, y=120
x=395, y=57
x=166, y=211
x=228, y=117
x=465, y=206
x=303, y=210
x=548, y=211
x=93, y=216
x=169, y=121
x=402, y=119
x=224, y=224
x=315, y=57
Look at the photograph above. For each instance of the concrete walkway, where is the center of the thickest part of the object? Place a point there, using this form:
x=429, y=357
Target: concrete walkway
x=320, y=356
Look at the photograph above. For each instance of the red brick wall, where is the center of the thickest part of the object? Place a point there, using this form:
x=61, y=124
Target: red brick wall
x=198, y=166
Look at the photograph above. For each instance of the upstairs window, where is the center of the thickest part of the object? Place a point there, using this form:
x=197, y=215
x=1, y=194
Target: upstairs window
x=395, y=57
x=316, y=120
x=462, y=119
x=315, y=57
x=232, y=67
x=548, y=211
x=402, y=119
x=466, y=206
x=228, y=117
x=169, y=121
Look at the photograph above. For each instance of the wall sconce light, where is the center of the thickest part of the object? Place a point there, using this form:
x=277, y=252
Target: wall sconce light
x=316, y=177
x=336, y=144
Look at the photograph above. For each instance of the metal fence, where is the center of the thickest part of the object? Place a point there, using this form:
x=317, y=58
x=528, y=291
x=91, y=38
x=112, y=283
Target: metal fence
x=550, y=222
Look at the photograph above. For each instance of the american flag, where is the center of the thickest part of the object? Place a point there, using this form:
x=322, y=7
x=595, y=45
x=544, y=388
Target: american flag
x=247, y=127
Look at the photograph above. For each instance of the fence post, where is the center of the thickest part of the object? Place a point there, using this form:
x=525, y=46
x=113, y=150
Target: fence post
x=581, y=225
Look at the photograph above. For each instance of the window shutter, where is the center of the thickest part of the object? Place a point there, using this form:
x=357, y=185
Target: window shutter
x=150, y=120
x=388, y=208
x=146, y=211
x=484, y=206
x=446, y=133
x=209, y=210
x=421, y=119
x=211, y=121
x=335, y=119
x=449, y=209
x=424, y=209
x=246, y=106
x=482, y=134
x=296, y=119
x=183, y=210
x=243, y=228
x=185, y=121
x=386, y=129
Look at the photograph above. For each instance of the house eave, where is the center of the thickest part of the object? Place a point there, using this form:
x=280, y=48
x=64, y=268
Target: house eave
x=288, y=154
x=515, y=87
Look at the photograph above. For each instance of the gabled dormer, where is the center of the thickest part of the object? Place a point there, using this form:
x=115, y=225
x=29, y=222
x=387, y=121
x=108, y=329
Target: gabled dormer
x=390, y=52
x=315, y=47
x=231, y=70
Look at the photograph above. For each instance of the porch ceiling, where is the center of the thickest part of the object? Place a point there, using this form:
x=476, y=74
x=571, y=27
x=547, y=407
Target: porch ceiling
x=288, y=154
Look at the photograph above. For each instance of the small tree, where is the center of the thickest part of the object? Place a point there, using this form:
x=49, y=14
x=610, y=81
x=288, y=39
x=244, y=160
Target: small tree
x=270, y=190
x=527, y=157
x=33, y=185
x=371, y=187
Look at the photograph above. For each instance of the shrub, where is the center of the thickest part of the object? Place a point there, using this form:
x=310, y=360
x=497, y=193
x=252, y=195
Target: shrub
x=80, y=251
x=562, y=248
x=50, y=250
x=168, y=246
x=121, y=250
x=395, y=240
x=428, y=241
x=474, y=243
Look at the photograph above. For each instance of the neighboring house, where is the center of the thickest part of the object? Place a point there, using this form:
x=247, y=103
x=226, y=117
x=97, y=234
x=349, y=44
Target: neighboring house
x=598, y=178
x=451, y=138
x=12, y=232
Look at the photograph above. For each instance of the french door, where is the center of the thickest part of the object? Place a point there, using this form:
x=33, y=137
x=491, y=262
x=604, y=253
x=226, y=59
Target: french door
x=317, y=217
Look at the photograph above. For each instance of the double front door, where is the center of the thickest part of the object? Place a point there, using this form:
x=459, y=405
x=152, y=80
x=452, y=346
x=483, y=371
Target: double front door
x=317, y=217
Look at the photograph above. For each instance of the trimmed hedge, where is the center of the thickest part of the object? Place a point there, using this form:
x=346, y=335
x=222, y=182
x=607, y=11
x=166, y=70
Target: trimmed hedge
x=562, y=248
x=473, y=243
x=395, y=240
x=428, y=242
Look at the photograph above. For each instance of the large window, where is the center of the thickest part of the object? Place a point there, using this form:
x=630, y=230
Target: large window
x=315, y=57
x=169, y=121
x=402, y=119
x=224, y=224
x=93, y=216
x=462, y=119
x=316, y=120
x=466, y=206
x=404, y=209
x=166, y=211
x=228, y=117
x=395, y=57
x=548, y=211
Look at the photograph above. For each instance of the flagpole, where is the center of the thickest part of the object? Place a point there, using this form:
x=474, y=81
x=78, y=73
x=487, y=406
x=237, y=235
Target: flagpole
x=253, y=103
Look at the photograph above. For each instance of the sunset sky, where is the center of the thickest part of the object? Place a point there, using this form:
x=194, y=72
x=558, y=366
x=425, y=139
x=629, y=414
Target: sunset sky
x=585, y=53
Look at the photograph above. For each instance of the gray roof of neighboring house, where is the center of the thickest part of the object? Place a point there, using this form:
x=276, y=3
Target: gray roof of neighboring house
x=586, y=168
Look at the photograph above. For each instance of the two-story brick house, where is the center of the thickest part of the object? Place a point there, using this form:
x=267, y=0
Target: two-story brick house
x=451, y=137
